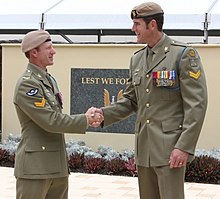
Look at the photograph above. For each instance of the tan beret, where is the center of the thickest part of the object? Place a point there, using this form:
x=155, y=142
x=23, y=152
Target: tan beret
x=148, y=9
x=33, y=39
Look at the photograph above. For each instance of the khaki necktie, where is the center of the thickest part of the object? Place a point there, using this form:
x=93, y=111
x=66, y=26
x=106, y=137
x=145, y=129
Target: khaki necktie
x=49, y=78
x=149, y=57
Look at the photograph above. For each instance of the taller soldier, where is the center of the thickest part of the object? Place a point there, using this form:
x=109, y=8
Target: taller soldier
x=167, y=90
x=41, y=167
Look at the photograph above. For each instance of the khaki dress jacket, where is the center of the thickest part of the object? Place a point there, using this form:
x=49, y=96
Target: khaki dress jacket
x=169, y=98
x=41, y=152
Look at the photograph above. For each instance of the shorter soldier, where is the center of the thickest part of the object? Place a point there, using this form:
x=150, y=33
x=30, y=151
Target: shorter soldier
x=41, y=167
x=167, y=90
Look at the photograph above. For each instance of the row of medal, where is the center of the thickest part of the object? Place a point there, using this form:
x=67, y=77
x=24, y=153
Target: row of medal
x=164, y=78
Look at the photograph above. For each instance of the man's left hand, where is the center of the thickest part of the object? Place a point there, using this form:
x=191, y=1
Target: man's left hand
x=178, y=158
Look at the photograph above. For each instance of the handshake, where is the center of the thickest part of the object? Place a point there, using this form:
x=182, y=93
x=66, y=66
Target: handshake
x=94, y=116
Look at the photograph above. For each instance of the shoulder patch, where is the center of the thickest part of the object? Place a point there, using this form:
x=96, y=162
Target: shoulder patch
x=193, y=57
x=192, y=53
x=32, y=92
x=140, y=49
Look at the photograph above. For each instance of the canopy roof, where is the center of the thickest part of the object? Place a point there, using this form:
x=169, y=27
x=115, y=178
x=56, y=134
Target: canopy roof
x=106, y=17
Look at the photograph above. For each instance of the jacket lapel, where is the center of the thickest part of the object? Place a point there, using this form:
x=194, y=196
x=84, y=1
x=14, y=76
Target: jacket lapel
x=39, y=74
x=161, y=53
x=143, y=60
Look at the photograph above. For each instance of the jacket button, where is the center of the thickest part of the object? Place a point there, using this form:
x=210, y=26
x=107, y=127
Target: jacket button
x=148, y=121
x=147, y=76
x=43, y=148
x=180, y=126
x=147, y=105
x=147, y=90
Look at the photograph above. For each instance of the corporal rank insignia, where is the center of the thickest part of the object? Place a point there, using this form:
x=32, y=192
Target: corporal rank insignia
x=32, y=92
x=40, y=104
x=164, y=78
x=195, y=75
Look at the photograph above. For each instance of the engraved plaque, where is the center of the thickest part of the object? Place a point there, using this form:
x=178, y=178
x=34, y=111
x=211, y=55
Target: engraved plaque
x=98, y=88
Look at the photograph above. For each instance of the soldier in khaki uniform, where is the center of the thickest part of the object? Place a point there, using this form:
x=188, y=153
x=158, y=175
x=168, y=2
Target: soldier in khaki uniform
x=41, y=167
x=167, y=90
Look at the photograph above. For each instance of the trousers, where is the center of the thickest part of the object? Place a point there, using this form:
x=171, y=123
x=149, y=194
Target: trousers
x=161, y=182
x=53, y=188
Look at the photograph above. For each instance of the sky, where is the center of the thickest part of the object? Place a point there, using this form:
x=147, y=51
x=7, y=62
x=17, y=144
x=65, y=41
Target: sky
x=102, y=6
x=69, y=14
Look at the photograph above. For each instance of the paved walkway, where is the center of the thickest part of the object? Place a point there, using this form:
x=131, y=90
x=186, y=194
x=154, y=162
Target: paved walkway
x=94, y=186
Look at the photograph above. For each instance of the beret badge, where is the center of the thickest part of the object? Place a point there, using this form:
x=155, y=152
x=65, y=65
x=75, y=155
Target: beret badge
x=133, y=14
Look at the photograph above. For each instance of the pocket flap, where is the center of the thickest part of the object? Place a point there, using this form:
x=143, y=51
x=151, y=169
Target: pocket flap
x=37, y=147
x=136, y=80
x=172, y=124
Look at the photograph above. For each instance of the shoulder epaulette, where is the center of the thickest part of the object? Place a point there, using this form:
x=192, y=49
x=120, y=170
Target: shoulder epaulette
x=27, y=74
x=177, y=43
x=140, y=49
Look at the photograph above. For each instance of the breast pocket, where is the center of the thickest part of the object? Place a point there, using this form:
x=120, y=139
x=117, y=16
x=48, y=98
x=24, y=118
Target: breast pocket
x=42, y=158
x=51, y=99
x=136, y=81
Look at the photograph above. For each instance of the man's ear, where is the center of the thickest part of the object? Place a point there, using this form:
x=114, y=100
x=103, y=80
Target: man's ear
x=153, y=23
x=33, y=52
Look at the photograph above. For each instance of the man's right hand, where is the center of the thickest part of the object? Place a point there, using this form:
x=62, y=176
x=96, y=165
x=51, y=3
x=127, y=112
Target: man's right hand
x=94, y=116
